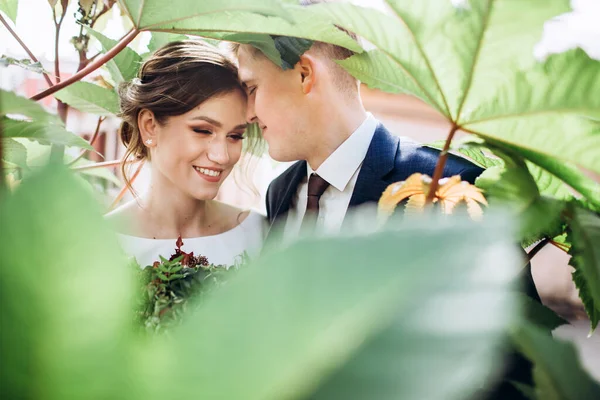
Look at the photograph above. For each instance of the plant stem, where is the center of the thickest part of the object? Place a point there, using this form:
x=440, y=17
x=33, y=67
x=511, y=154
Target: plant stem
x=561, y=246
x=24, y=46
x=439, y=167
x=90, y=67
x=92, y=140
x=57, y=26
x=104, y=164
x=57, y=152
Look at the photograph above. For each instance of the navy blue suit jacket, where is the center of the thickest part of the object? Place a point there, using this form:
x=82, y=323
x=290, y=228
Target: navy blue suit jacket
x=389, y=159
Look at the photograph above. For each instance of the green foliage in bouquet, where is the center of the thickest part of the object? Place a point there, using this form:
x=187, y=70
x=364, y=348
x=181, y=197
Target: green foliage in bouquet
x=169, y=285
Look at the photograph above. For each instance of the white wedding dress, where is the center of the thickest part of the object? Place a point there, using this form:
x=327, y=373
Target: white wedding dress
x=224, y=248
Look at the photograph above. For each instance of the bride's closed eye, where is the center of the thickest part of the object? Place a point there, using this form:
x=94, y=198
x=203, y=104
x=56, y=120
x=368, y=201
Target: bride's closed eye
x=251, y=90
x=203, y=131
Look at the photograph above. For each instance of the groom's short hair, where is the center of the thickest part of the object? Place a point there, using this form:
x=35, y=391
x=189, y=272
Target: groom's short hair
x=331, y=52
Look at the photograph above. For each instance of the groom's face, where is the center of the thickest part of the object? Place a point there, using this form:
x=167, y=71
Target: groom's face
x=277, y=103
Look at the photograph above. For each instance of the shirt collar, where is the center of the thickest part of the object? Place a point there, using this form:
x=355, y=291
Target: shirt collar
x=341, y=165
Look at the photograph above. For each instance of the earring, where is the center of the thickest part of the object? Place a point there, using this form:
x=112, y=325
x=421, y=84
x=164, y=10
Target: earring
x=149, y=142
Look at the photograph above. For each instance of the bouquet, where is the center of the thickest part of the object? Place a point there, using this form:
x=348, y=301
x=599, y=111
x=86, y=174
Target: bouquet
x=170, y=286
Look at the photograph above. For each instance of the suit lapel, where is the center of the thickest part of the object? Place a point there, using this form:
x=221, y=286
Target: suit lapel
x=294, y=176
x=296, y=173
x=378, y=162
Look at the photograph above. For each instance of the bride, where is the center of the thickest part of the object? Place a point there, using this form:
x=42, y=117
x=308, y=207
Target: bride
x=186, y=115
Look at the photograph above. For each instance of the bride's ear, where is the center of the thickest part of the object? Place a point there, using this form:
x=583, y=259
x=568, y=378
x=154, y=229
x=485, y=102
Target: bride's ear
x=147, y=125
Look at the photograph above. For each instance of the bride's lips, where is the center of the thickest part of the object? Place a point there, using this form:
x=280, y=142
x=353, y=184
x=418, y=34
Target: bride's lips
x=210, y=174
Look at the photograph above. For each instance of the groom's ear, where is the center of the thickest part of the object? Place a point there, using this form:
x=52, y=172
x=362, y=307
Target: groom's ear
x=147, y=125
x=307, y=67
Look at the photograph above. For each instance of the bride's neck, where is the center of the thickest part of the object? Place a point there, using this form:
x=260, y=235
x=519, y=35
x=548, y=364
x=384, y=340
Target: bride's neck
x=170, y=213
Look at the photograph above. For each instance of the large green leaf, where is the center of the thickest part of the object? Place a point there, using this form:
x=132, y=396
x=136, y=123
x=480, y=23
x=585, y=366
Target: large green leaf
x=14, y=152
x=90, y=98
x=555, y=170
x=290, y=49
x=585, y=251
x=543, y=109
x=473, y=153
x=42, y=132
x=475, y=65
x=548, y=184
x=261, y=41
x=539, y=314
x=65, y=294
x=451, y=52
x=159, y=39
x=353, y=317
x=284, y=51
x=512, y=185
x=557, y=373
x=541, y=90
x=125, y=65
x=148, y=14
x=295, y=322
x=12, y=103
x=307, y=25
x=566, y=171
x=9, y=7
x=378, y=71
x=591, y=307
x=396, y=40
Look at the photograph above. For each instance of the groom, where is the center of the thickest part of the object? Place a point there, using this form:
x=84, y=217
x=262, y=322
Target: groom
x=314, y=113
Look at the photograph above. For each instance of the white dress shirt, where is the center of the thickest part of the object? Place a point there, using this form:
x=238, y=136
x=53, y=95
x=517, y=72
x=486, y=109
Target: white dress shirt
x=341, y=171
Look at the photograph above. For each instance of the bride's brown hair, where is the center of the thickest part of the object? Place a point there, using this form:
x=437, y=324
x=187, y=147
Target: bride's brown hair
x=176, y=78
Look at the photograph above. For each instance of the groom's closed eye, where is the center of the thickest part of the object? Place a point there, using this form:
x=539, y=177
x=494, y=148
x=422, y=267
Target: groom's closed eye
x=237, y=136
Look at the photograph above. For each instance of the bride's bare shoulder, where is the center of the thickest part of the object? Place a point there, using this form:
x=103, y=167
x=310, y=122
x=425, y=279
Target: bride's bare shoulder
x=123, y=218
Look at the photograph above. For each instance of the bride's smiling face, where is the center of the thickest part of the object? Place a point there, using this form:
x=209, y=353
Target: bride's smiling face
x=196, y=151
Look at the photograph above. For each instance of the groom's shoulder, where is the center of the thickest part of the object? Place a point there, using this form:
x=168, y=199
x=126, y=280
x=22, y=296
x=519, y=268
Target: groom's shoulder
x=411, y=157
x=289, y=173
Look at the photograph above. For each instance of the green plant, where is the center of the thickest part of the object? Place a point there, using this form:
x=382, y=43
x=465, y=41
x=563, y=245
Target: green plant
x=308, y=321
x=474, y=64
x=321, y=319
x=168, y=285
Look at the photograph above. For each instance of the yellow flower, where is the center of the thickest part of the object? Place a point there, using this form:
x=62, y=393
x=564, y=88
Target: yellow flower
x=449, y=193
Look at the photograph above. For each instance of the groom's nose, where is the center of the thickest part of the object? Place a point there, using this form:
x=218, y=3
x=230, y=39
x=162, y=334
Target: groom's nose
x=250, y=113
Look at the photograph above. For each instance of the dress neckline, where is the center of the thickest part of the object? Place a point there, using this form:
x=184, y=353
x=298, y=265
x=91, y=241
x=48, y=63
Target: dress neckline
x=227, y=232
